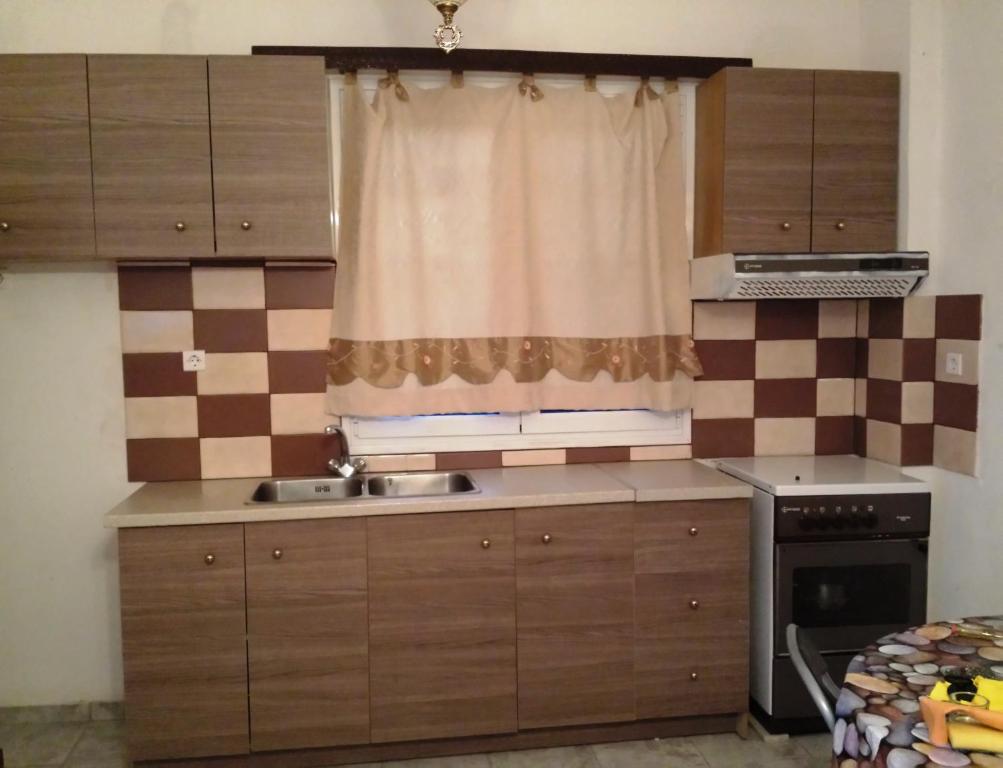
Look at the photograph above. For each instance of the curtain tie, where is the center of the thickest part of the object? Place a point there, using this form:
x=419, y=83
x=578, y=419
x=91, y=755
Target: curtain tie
x=644, y=90
x=393, y=79
x=671, y=86
x=528, y=85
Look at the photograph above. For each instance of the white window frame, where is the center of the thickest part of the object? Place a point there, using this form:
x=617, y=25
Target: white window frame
x=516, y=431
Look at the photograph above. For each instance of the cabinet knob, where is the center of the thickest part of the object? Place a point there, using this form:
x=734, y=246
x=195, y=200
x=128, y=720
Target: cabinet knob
x=209, y=559
x=786, y=226
x=4, y=226
x=277, y=554
x=546, y=538
x=485, y=543
x=245, y=225
x=694, y=604
x=694, y=676
x=694, y=531
x=840, y=225
x=180, y=226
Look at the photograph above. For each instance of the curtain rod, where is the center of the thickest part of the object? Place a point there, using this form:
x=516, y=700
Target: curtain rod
x=346, y=59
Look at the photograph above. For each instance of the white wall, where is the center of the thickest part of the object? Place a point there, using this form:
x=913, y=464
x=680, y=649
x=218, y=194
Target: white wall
x=61, y=450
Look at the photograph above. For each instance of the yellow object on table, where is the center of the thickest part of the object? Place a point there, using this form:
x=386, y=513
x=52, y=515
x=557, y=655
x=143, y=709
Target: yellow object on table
x=991, y=689
x=975, y=738
x=935, y=716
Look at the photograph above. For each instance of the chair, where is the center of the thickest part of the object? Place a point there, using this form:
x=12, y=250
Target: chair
x=811, y=669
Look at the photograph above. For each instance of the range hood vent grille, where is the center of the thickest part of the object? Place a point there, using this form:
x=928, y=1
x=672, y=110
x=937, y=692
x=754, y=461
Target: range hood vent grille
x=824, y=288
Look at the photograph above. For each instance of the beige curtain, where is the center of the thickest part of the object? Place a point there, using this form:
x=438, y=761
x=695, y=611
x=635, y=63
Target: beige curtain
x=510, y=249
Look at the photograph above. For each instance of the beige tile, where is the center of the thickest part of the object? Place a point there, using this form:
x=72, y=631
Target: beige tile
x=969, y=351
x=782, y=437
x=38, y=744
x=919, y=317
x=460, y=761
x=228, y=288
x=723, y=399
x=884, y=441
x=729, y=751
x=835, y=397
x=863, y=318
x=420, y=462
x=786, y=359
x=102, y=744
x=955, y=449
x=660, y=452
x=157, y=331
x=884, y=359
x=300, y=414
x=305, y=329
x=400, y=462
x=236, y=457
x=860, y=397
x=561, y=757
x=837, y=319
x=44, y=713
x=533, y=458
x=630, y=754
x=161, y=417
x=724, y=320
x=234, y=373
x=917, y=402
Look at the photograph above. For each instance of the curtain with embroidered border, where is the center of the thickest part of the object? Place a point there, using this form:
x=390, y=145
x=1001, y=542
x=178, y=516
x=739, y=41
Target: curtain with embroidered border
x=512, y=248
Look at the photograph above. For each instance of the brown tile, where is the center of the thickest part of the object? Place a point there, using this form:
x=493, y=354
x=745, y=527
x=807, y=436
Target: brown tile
x=860, y=435
x=785, y=398
x=156, y=375
x=727, y=360
x=234, y=415
x=959, y=317
x=290, y=372
x=956, y=405
x=300, y=455
x=837, y=358
x=151, y=288
x=917, y=445
x=597, y=455
x=834, y=435
x=163, y=459
x=919, y=359
x=468, y=460
x=863, y=348
x=884, y=400
x=231, y=330
x=299, y=287
x=787, y=319
x=714, y=438
x=887, y=319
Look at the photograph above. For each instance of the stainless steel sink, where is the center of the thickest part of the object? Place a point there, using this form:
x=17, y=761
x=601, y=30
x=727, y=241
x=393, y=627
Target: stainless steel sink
x=421, y=484
x=308, y=489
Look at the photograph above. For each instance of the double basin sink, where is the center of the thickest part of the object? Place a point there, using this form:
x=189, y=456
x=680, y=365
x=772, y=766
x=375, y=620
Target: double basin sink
x=380, y=486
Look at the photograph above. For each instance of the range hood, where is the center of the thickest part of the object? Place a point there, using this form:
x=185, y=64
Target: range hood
x=808, y=275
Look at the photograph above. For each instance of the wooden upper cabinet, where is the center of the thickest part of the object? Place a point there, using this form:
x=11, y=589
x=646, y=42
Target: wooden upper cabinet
x=754, y=162
x=855, y=182
x=46, y=203
x=307, y=633
x=442, y=650
x=575, y=591
x=183, y=641
x=152, y=164
x=270, y=157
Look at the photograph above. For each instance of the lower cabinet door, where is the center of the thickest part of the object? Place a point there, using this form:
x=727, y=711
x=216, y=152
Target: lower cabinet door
x=183, y=641
x=442, y=625
x=307, y=633
x=575, y=578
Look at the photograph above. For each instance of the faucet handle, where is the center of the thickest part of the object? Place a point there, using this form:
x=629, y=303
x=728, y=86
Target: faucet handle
x=332, y=429
x=359, y=464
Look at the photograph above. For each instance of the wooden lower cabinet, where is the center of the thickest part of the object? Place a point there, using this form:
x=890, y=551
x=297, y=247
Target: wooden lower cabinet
x=575, y=583
x=183, y=641
x=307, y=633
x=442, y=650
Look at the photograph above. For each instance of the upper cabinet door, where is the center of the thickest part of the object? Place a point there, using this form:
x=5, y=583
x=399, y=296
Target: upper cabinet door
x=271, y=168
x=856, y=161
x=46, y=203
x=152, y=166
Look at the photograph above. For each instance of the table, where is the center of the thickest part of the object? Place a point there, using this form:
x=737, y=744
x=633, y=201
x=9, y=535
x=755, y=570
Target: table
x=878, y=722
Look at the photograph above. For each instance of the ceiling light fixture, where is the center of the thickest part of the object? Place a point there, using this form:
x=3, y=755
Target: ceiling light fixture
x=447, y=34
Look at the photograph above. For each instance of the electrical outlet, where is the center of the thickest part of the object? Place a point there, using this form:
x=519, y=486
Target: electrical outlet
x=954, y=364
x=193, y=360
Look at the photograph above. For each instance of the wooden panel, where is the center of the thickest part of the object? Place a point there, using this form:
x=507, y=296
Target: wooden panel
x=664, y=542
x=183, y=641
x=856, y=161
x=442, y=625
x=708, y=211
x=768, y=160
x=46, y=204
x=576, y=615
x=308, y=633
x=152, y=167
x=271, y=165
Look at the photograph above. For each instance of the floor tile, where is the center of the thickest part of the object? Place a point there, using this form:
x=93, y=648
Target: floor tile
x=817, y=745
x=102, y=745
x=59, y=713
x=566, y=757
x=681, y=753
x=38, y=744
x=460, y=761
x=729, y=751
x=639, y=754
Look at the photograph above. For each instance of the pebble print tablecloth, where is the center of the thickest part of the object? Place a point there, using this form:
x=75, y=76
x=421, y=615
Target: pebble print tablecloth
x=878, y=721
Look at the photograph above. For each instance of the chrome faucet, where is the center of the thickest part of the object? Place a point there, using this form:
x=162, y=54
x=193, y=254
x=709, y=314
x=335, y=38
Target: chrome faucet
x=344, y=465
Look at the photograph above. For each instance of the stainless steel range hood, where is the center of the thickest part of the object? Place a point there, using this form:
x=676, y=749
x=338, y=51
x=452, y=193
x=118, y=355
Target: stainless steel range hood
x=808, y=275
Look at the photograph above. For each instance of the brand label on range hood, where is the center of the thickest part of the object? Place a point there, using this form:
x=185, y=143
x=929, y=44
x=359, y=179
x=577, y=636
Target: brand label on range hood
x=758, y=264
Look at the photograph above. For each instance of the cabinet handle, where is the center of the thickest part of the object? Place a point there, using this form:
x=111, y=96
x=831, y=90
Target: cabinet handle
x=180, y=226
x=4, y=226
x=840, y=225
x=209, y=559
x=546, y=538
x=694, y=531
x=694, y=676
x=786, y=226
x=276, y=554
x=245, y=225
x=694, y=604
x=485, y=543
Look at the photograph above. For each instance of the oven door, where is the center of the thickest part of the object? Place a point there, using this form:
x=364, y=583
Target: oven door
x=847, y=594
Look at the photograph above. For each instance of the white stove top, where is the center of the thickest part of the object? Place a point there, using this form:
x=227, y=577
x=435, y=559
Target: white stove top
x=820, y=475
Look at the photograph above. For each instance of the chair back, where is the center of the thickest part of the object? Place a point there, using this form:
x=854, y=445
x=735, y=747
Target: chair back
x=813, y=672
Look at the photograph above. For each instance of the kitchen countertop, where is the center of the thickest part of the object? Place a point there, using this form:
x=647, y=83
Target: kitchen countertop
x=203, y=502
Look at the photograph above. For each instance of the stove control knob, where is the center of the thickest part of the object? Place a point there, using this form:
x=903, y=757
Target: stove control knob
x=808, y=521
x=855, y=520
x=839, y=522
x=871, y=519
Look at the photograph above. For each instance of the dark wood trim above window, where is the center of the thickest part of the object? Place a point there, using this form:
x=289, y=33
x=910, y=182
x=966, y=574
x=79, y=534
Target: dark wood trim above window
x=490, y=60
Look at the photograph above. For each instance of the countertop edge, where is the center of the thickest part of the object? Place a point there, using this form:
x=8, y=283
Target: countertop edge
x=710, y=493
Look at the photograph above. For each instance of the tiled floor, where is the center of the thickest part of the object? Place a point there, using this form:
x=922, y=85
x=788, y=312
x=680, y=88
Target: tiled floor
x=99, y=745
